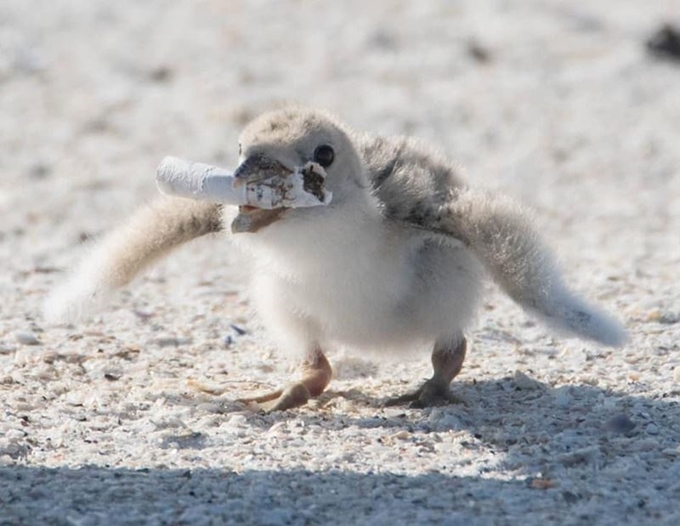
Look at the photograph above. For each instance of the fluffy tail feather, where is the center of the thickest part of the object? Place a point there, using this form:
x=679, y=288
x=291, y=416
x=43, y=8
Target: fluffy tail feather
x=499, y=232
x=114, y=261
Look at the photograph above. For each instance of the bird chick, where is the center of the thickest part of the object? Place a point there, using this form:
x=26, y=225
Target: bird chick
x=395, y=261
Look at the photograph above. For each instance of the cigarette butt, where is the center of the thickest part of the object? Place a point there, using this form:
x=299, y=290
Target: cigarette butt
x=182, y=178
x=302, y=188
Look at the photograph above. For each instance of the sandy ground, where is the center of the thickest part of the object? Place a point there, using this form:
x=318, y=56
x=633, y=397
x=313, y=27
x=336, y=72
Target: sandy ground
x=129, y=418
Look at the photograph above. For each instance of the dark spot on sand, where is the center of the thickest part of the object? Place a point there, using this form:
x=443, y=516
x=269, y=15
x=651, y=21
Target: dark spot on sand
x=665, y=43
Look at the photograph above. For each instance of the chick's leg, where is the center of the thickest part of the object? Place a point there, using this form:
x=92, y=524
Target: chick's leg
x=447, y=361
x=316, y=375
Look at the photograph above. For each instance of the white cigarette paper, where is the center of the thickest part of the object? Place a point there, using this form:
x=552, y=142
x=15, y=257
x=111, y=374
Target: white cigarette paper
x=181, y=178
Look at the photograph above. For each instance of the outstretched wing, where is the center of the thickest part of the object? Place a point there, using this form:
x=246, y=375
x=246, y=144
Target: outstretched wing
x=420, y=188
x=115, y=260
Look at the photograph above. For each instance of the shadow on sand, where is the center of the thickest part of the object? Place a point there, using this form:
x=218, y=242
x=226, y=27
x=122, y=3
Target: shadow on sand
x=599, y=474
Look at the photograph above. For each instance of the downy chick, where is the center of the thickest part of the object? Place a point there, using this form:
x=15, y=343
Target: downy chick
x=396, y=260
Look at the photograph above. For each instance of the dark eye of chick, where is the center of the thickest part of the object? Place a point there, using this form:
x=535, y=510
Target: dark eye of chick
x=324, y=155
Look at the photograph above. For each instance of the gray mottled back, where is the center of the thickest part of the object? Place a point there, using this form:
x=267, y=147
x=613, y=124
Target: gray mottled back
x=409, y=178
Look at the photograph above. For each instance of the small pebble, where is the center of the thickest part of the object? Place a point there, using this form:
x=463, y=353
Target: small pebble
x=75, y=399
x=585, y=455
x=654, y=315
x=443, y=418
x=14, y=434
x=669, y=318
x=647, y=444
x=27, y=338
x=569, y=497
x=209, y=408
x=665, y=318
x=347, y=406
x=170, y=341
x=39, y=171
x=143, y=315
x=237, y=421
x=563, y=399
x=277, y=428
x=402, y=435
x=50, y=357
x=6, y=349
x=205, y=387
x=652, y=429
x=478, y=52
x=619, y=424
x=523, y=382
x=542, y=483
x=161, y=74
x=665, y=42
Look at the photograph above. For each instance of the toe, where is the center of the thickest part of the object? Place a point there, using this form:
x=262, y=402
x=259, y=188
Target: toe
x=294, y=396
x=431, y=393
x=402, y=399
x=433, y=396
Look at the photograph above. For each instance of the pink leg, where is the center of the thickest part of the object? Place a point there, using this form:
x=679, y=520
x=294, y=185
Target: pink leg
x=316, y=375
x=447, y=361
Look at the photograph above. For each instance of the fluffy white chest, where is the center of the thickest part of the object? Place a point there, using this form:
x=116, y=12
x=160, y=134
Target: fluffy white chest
x=351, y=279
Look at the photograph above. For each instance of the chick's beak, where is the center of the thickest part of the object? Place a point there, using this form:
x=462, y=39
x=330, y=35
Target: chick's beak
x=258, y=167
x=255, y=168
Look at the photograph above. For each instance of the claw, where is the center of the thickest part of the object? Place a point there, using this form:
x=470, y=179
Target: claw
x=317, y=373
x=296, y=395
x=432, y=393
